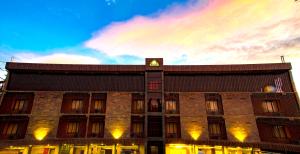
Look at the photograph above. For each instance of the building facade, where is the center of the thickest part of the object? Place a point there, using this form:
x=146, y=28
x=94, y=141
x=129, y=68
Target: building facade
x=151, y=108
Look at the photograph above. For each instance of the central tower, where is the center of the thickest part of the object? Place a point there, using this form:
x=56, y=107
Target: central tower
x=154, y=106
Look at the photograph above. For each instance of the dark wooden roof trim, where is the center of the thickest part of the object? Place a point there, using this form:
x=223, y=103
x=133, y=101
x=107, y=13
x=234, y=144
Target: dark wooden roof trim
x=141, y=68
x=227, y=68
x=74, y=67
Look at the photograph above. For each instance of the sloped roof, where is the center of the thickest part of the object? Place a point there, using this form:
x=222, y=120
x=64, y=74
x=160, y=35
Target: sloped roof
x=140, y=68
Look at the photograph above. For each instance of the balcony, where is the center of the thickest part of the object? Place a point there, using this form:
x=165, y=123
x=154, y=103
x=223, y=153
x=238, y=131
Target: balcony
x=76, y=103
x=13, y=127
x=17, y=103
x=96, y=126
x=72, y=127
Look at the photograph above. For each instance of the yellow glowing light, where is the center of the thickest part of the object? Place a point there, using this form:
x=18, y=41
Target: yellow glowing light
x=154, y=63
x=179, y=146
x=178, y=151
x=117, y=133
x=194, y=129
x=41, y=133
x=17, y=147
x=195, y=134
x=239, y=133
x=269, y=89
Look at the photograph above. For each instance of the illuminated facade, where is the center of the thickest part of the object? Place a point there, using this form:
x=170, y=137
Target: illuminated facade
x=151, y=108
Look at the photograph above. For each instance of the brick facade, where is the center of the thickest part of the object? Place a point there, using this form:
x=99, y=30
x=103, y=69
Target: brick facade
x=45, y=113
x=118, y=113
x=239, y=117
x=220, y=107
x=193, y=115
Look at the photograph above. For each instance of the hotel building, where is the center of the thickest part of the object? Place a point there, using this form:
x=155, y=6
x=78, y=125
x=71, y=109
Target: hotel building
x=151, y=108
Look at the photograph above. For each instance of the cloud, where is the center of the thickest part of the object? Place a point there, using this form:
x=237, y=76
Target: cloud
x=68, y=55
x=56, y=58
x=209, y=32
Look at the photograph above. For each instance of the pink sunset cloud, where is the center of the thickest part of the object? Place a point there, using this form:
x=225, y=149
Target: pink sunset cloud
x=217, y=32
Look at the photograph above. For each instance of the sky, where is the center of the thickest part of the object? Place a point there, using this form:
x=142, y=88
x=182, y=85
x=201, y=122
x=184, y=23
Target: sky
x=183, y=32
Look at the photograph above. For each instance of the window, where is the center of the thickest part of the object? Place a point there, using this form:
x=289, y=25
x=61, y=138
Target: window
x=13, y=127
x=137, y=103
x=99, y=106
x=214, y=129
x=10, y=129
x=137, y=129
x=98, y=103
x=97, y=128
x=171, y=106
x=72, y=128
x=76, y=105
x=16, y=103
x=212, y=106
x=172, y=127
x=154, y=105
x=154, y=85
x=138, y=106
x=154, y=80
x=172, y=103
x=18, y=106
x=154, y=126
x=137, y=126
x=270, y=106
x=154, y=102
x=279, y=132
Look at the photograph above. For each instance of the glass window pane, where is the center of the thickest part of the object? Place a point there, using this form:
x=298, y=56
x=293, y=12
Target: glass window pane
x=212, y=106
x=14, y=129
x=214, y=129
x=76, y=105
x=18, y=105
x=270, y=106
x=171, y=106
x=275, y=106
x=72, y=127
x=282, y=132
x=279, y=132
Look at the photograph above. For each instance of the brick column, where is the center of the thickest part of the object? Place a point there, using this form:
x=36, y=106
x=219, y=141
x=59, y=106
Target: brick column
x=239, y=117
x=45, y=113
x=118, y=114
x=193, y=117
